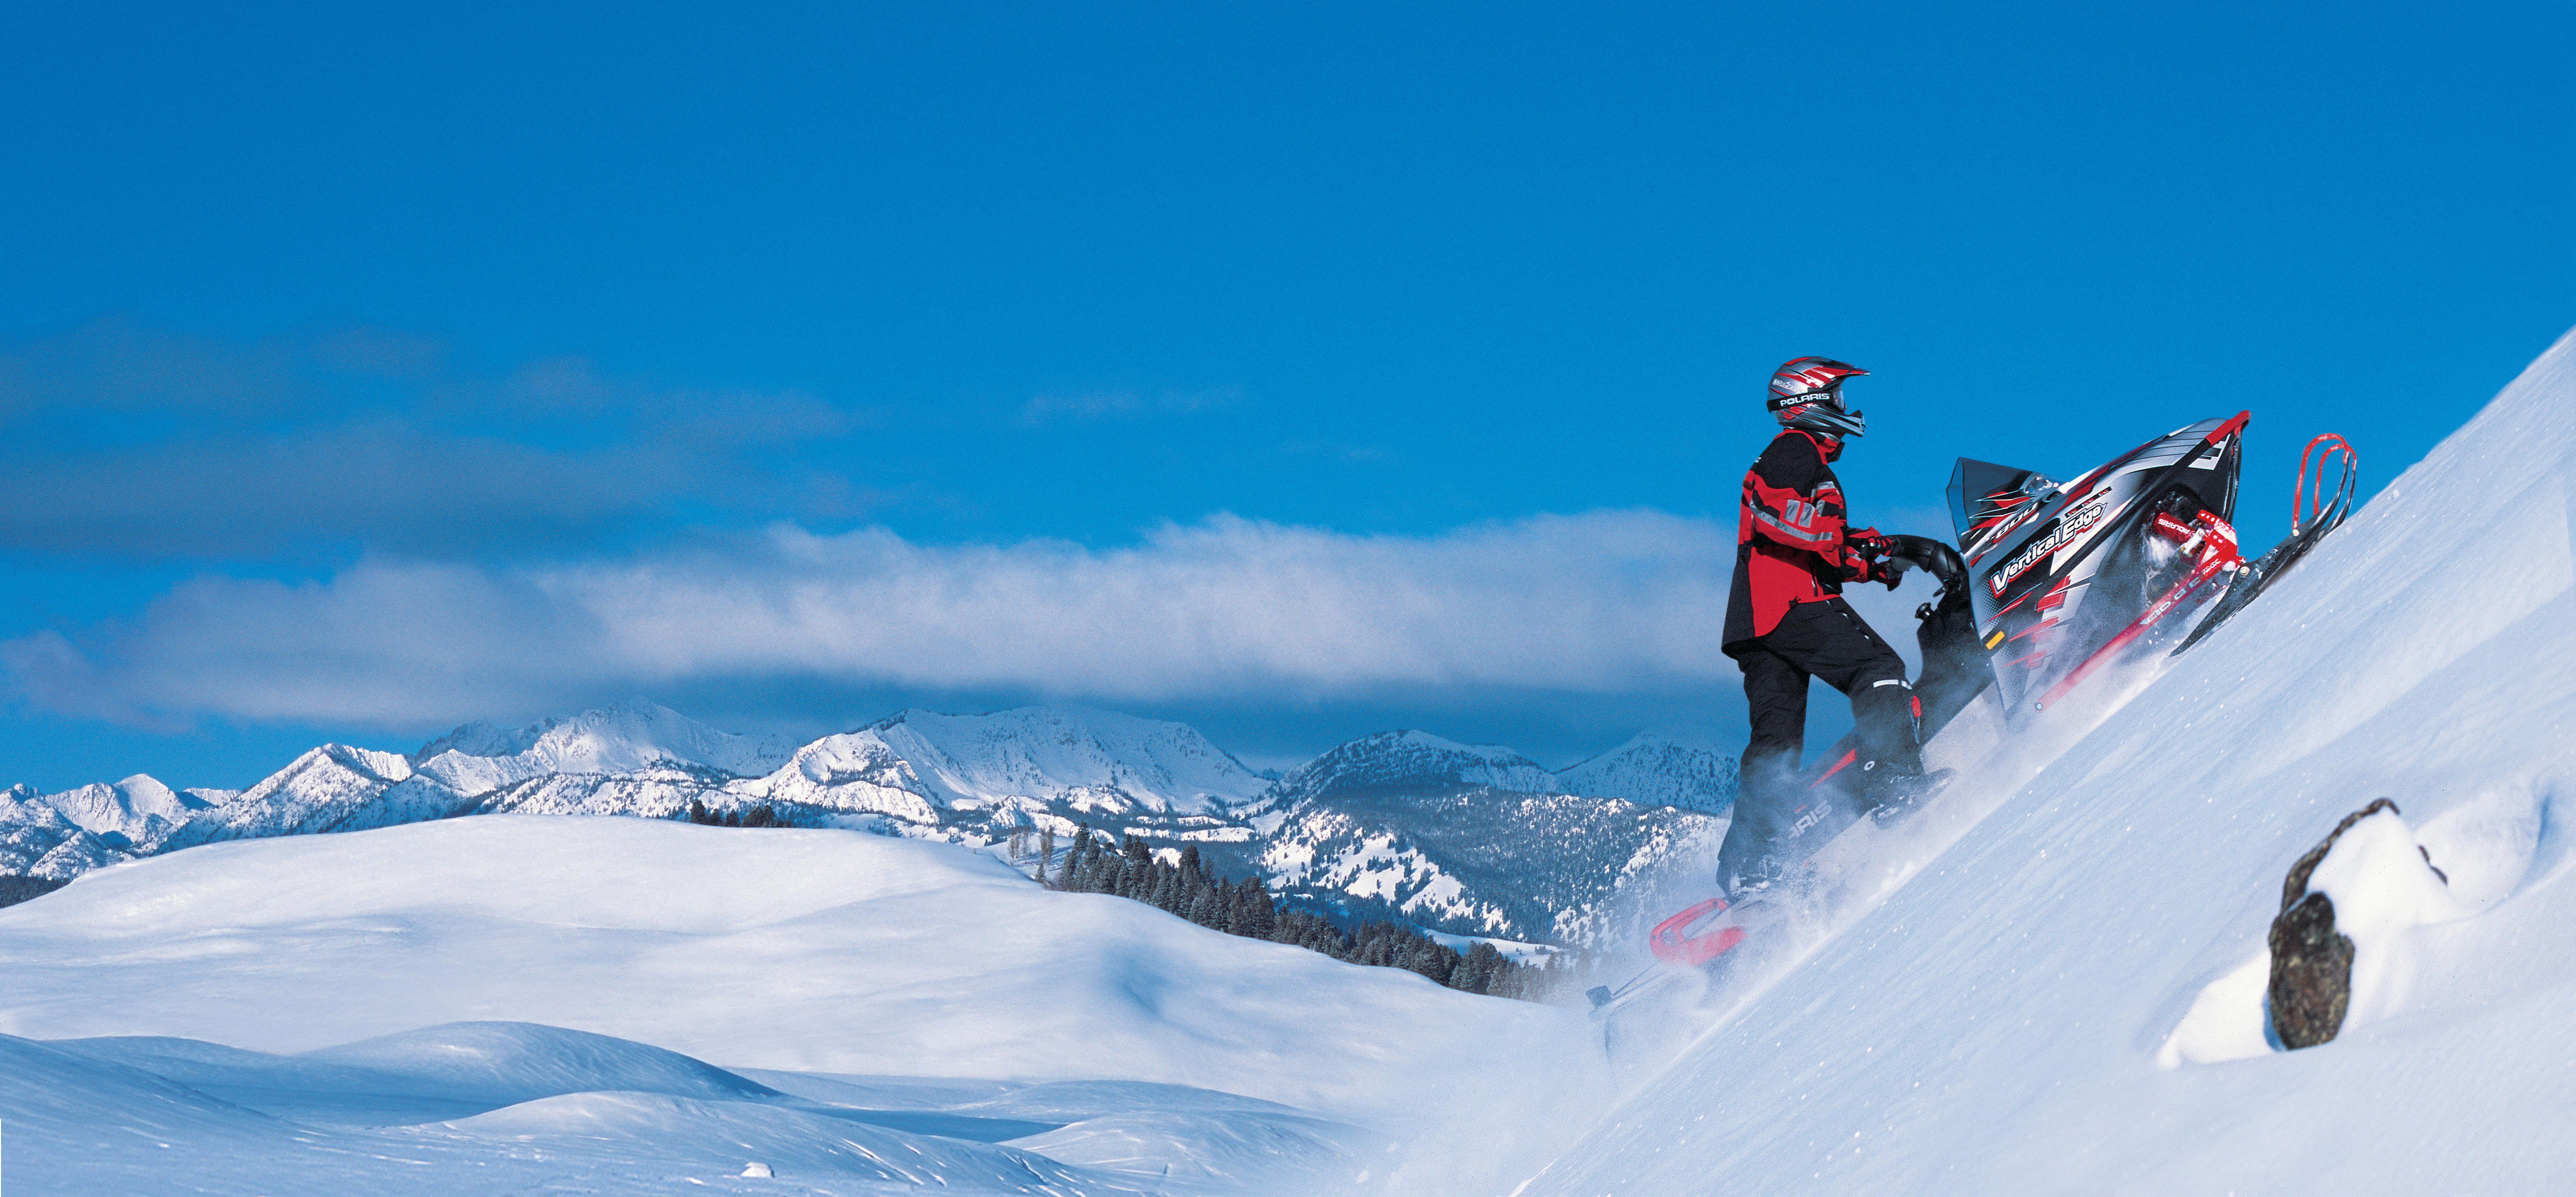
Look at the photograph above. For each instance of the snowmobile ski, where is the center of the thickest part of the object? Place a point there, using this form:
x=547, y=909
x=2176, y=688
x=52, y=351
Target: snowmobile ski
x=1700, y=934
x=2308, y=525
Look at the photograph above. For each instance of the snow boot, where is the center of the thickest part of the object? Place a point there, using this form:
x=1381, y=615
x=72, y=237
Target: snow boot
x=1893, y=797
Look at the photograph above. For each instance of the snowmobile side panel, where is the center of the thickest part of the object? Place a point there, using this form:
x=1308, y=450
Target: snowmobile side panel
x=2217, y=558
x=2059, y=571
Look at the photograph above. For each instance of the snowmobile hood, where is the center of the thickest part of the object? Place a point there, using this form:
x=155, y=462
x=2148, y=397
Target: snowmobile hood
x=2035, y=547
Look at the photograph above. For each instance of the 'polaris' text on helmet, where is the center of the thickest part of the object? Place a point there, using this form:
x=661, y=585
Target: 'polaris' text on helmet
x=1808, y=394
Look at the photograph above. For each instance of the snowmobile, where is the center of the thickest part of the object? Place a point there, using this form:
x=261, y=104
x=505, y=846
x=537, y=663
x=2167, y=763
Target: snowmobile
x=2048, y=584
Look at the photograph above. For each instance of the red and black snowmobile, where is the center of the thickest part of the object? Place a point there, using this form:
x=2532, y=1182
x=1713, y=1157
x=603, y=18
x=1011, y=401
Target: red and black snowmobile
x=2047, y=584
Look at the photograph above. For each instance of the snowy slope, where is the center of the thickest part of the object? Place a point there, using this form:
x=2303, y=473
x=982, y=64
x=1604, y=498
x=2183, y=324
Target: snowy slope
x=306, y=942
x=813, y=966
x=467, y=1108
x=2007, y=1020
x=1656, y=771
x=1474, y=840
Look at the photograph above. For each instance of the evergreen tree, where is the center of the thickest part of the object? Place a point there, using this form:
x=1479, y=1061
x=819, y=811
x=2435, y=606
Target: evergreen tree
x=1479, y=969
x=1077, y=860
x=698, y=812
x=1099, y=874
x=1262, y=914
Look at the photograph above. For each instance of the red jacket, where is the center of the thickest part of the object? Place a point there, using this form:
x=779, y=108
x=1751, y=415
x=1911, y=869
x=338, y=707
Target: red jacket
x=1791, y=538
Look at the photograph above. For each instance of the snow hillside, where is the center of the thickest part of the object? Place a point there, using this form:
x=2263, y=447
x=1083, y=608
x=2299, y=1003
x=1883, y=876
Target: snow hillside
x=1466, y=840
x=665, y=989
x=534, y=1109
x=2059, y=1002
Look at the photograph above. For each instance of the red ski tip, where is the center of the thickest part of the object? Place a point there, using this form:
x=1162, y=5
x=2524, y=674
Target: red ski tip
x=1672, y=942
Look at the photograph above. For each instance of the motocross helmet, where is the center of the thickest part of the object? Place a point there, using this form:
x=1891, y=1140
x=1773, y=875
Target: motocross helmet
x=1808, y=394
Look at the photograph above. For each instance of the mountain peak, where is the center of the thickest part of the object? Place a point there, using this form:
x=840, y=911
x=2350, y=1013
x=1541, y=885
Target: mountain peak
x=1415, y=761
x=622, y=738
x=479, y=738
x=1654, y=769
x=1049, y=751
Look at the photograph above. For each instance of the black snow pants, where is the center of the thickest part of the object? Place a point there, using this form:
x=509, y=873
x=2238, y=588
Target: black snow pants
x=1826, y=640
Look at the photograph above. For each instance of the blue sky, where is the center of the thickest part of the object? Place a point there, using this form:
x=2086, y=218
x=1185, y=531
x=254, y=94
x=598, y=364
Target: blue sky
x=1298, y=370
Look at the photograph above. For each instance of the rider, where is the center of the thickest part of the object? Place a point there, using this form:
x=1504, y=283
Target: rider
x=1786, y=621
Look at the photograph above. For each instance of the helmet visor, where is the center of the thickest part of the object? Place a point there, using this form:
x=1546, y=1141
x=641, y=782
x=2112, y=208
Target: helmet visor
x=1825, y=417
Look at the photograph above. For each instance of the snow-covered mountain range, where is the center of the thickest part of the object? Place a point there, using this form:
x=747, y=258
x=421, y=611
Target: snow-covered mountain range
x=1472, y=840
x=1477, y=840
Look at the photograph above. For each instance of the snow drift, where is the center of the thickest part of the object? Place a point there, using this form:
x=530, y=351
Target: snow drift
x=810, y=950
x=572, y=984
x=1999, y=1024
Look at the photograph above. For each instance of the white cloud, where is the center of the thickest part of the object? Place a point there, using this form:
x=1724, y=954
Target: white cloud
x=1231, y=609
x=1122, y=404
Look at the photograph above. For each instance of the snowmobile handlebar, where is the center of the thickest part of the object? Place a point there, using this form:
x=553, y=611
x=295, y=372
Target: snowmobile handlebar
x=1932, y=557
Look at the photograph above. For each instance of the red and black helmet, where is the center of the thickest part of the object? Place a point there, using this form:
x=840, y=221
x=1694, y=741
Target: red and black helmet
x=1808, y=393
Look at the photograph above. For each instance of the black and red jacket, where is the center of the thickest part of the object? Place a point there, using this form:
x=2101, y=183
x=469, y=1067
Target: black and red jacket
x=1790, y=542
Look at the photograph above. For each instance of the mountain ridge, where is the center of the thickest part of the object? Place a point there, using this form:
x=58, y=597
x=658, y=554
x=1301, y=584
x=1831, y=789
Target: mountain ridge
x=1468, y=839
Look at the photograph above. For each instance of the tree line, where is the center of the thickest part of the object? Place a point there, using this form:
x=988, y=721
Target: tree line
x=1246, y=908
x=15, y=889
x=763, y=815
